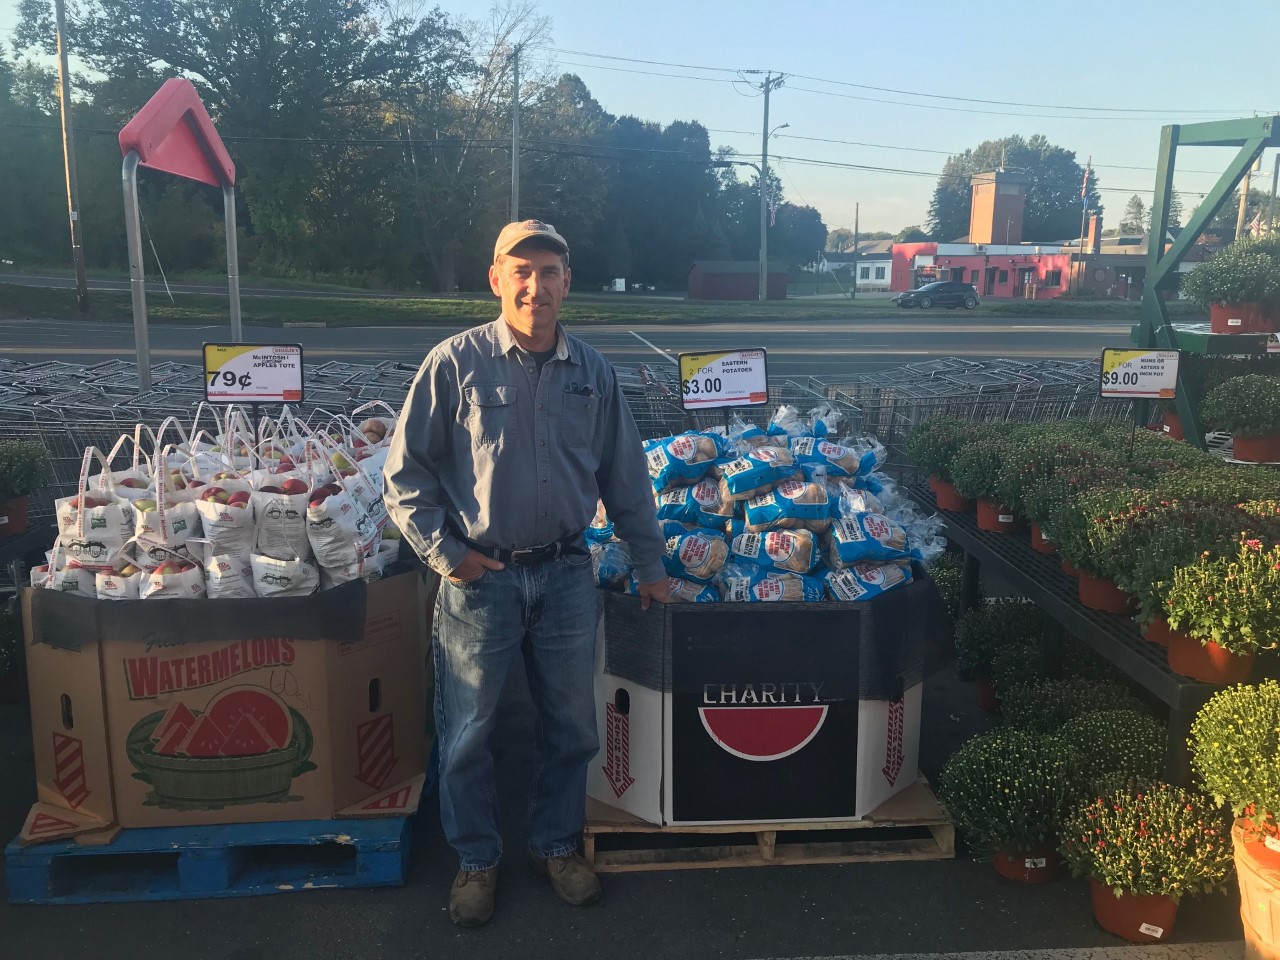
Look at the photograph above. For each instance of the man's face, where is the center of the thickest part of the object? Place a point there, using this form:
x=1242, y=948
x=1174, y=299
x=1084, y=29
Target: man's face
x=532, y=283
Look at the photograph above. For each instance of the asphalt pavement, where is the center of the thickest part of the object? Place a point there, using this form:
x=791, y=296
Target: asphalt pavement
x=826, y=348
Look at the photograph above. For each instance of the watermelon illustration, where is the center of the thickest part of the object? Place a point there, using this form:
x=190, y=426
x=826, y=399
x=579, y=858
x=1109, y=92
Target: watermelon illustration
x=763, y=733
x=246, y=739
x=204, y=739
x=266, y=708
x=171, y=742
x=178, y=714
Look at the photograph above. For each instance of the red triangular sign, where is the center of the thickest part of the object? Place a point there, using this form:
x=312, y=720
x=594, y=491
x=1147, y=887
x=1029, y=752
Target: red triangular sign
x=43, y=823
x=396, y=800
x=173, y=133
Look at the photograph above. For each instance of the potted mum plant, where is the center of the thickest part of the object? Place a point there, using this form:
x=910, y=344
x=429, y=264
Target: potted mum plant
x=976, y=471
x=1115, y=744
x=1239, y=286
x=1044, y=706
x=1008, y=791
x=932, y=445
x=1248, y=407
x=1143, y=847
x=24, y=469
x=987, y=629
x=1222, y=610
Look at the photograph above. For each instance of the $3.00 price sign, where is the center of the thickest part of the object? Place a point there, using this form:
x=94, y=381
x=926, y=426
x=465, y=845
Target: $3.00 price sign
x=1139, y=373
x=253, y=373
x=731, y=378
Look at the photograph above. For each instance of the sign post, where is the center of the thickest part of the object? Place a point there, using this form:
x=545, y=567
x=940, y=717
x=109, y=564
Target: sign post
x=1139, y=375
x=253, y=373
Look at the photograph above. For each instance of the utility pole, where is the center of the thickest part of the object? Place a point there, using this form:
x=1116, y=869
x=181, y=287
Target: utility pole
x=515, y=135
x=69, y=161
x=1271, y=204
x=1244, y=197
x=770, y=83
x=1084, y=212
x=853, y=289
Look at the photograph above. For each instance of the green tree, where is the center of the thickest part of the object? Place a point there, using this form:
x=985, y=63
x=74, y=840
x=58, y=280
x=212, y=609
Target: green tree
x=839, y=240
x=1134, y=219
x=797, y=236
x=910, y=235
x=1053, y=194
x=1224, y=221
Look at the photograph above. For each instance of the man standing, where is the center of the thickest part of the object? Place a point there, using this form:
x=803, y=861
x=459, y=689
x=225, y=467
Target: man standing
x=510, y=433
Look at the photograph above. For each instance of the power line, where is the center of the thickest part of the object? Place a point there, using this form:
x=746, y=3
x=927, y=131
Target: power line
x=652, y=63
x=647, y=73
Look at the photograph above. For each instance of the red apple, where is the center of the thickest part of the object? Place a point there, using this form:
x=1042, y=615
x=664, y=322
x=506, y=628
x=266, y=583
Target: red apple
x=270, y=488
x=293, y=486
x=133, y=483
x=238, y=499
x=216, y=494
x=320, y=496
x=194, y=484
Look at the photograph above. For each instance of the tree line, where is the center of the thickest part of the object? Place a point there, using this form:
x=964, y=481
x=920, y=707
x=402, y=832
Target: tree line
x=372, y=145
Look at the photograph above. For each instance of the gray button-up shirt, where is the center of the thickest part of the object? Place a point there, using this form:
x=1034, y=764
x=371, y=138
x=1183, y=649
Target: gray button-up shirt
x=512, y=459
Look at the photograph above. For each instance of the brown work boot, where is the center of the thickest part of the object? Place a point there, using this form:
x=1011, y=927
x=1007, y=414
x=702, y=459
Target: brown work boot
x=471, y=899
x=573, y=881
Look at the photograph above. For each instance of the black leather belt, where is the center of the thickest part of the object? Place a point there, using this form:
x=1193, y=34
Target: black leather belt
x=528, y=555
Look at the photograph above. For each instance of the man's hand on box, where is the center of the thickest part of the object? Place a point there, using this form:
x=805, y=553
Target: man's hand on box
x=659, y=590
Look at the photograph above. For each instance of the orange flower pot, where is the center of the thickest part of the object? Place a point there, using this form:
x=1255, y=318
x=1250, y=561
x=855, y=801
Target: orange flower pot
x=1138, y=918
x=13, y=517
x=1038, y=542
x=1241, y=318
x=1069, y=568
x=986, y=692
x=1098, y=594
x=1171, y=426
x=948, y=497
x=1158, y=632
x=1264, y=449
x=1038, y=865
x=997, y=518
x=1207, y=662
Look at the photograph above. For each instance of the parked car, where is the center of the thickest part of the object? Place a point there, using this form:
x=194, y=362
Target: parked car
x=941, y=293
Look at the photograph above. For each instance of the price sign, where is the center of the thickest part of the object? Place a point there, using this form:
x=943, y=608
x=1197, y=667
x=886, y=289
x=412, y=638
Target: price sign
x=732, y=378
x=252, y=373
x=1139, y=373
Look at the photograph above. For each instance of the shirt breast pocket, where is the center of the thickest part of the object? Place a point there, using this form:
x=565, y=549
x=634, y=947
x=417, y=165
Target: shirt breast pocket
x=490, y=412
x=578, y=419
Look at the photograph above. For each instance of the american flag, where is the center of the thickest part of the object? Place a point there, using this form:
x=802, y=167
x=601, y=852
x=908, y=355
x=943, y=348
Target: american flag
x=1084, y=187
x=773, y=214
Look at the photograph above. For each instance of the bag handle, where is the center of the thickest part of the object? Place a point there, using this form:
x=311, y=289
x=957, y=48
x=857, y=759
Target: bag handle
x=169, y=423
x=152, y=547
x=108, y=483
x=373, y=404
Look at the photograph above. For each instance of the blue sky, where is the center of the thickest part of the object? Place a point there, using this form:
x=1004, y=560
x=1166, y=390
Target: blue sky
x=1150, y=62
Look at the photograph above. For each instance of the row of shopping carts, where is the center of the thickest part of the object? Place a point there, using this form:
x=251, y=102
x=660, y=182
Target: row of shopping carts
x=68, y=407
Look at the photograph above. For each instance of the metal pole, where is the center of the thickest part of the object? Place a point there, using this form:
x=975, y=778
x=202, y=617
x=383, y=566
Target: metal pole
x=1244, y=197
x=137, y=283
x=1084, y=212
x=1271, y=204
x=764, y=181
x=233, y=260
x=515, y=136
x=853, y=289
x=69, y=161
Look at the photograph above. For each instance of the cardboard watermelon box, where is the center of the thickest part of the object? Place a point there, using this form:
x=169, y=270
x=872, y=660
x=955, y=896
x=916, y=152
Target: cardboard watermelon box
x=760, y=712
x=148, y=713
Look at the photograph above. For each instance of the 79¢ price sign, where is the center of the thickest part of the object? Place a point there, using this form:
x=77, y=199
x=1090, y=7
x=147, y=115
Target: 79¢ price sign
x=252, y=373
x=731, y=378
x=1139, y=374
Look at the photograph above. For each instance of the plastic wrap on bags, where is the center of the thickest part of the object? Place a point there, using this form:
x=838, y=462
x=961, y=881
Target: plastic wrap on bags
x=94, y=525
x=682, y=591
x=824, y=420
x=840, y=461
x=695, y=554
x=791, y=504
x=273, y=577
x=701, y=505
x=853, y=501
x=611, y=563
x=865, y=580
x=600, y=529
x=757, y=472
x=866, y=536
x=787, y=422
x=683, y=459
x=877, y=483
x=748, y=583
x=795, y=551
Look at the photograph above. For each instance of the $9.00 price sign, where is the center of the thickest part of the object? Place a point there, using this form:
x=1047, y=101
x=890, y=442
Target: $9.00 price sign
x=1139, y=373
x=252, y=373
x=731, y=378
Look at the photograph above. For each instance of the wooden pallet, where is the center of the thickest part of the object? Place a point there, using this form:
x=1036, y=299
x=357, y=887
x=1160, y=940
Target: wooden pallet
x=227, y=860
x=909, y=826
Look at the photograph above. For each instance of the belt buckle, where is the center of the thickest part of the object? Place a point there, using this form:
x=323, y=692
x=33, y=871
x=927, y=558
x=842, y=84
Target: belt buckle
x=527, y=555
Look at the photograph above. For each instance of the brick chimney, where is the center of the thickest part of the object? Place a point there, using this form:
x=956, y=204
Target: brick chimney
x=1093, y=240
x=999, y=200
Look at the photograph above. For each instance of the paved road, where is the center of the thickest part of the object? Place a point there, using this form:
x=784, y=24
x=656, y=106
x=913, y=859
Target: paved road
x=822, y=348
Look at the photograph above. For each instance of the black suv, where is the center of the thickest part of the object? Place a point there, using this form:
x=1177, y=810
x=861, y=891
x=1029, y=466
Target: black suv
x=940, y=294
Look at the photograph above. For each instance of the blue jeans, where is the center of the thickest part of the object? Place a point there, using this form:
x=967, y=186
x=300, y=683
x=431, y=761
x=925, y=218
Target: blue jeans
x=547, y=611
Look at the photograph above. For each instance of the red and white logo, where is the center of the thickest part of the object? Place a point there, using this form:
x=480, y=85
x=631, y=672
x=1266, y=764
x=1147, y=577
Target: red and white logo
x=762, y=721
x=376, y=750
x=68, y=769
x=395, y=800
x=43, y=823
x=617, y=750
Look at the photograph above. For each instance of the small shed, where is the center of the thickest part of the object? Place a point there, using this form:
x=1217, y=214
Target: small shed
x=735, y=280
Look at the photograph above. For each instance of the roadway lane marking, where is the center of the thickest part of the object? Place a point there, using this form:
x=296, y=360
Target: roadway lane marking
x=664, y=354
x=1042, y=326
x=1213, y=950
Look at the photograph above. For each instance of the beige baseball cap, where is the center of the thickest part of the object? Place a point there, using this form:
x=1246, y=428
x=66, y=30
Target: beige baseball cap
x=514, y=234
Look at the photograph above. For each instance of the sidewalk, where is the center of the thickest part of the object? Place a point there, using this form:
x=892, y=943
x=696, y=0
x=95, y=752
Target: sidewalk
x=947, y=907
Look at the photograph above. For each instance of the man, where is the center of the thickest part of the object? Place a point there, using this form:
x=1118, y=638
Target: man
x=509, y=434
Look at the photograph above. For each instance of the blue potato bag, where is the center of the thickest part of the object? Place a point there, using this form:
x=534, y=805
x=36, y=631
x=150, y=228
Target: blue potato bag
x=795, y=551
x=792, y=503
x=682, y=460
x=748, y=583
x=867, y=536
x=694, y=554
x=702, y=505
x=864, y=581
x=682, y=591
x=757, y=471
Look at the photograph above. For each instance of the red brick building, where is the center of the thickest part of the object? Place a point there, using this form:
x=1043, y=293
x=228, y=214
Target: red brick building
x=734, y=280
